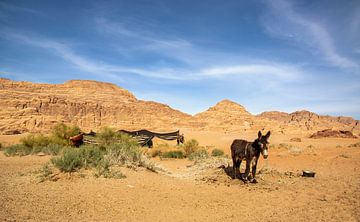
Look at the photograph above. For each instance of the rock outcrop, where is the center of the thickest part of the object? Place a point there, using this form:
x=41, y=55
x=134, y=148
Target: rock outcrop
x=333, y=133
x=89, y=104
x=33, y=107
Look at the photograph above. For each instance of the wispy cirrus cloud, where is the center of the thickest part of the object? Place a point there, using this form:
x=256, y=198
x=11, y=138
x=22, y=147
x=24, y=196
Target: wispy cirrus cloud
x=150, y=38
x=14, y=8
x=283, y=21
x=279, y=72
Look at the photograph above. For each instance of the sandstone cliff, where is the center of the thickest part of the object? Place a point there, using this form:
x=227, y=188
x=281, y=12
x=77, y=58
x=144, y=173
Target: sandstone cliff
x=34, y=107
x=37, y=107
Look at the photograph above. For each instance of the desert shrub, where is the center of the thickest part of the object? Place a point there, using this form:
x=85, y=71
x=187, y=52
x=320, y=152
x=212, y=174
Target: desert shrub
x=177, y=154
x=198, y=155
x=45, y=173
x=354, y=145
x=69, y=161
x=295, y=139
x=217, y=152
x=107, y=136
x=156, y=153
x=91, y=156
x=61, y=133
x=18, y=149
x=35, y=140
x=52, y=149
x=191, y=146
x=103, y=169
x=123, y=153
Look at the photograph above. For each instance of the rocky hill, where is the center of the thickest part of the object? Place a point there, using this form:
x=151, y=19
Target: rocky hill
x=309, y=121
x=37, y=107
x=225, y=115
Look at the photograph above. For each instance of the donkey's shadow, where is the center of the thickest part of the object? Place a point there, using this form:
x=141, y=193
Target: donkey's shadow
x=230, y=172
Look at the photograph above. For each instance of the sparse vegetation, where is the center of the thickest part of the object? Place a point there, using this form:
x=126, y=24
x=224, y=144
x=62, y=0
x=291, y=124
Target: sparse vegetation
x=36, y=140
x=176, y=154
x=190, y=147
x=217, y=152
x=61, y=133
x=71, y=160
x=45, y=173
x=18, y=150
x=198, y=155
x=355, y=145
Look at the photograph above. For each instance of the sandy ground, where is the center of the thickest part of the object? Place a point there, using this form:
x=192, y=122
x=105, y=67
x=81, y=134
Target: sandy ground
x=194, y=192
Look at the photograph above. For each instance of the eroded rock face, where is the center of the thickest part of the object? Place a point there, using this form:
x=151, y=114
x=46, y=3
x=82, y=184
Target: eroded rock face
x=32, y=107
x=89, y=104
x=333, y=133
x=310, y=121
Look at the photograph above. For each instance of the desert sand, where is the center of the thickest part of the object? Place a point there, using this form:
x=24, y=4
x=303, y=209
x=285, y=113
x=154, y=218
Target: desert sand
x=190, y=191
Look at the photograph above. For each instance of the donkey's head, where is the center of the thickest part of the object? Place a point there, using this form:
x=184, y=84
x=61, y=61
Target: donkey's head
x=262, y=142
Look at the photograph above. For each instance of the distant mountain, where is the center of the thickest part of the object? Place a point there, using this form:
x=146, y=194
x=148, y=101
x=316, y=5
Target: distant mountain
x=34, y=107
x=28, y=106
x=307, y=120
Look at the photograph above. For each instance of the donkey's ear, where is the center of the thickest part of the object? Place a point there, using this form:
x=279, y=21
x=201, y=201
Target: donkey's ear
x=259, y=134
x=267, y=135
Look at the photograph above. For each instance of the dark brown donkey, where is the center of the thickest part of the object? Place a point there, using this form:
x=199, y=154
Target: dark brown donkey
x=249, y=151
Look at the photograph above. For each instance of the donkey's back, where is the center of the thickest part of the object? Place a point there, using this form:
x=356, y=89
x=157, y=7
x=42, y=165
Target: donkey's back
x=238, y=148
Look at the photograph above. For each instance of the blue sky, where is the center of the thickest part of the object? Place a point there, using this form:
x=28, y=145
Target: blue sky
x=265, y=55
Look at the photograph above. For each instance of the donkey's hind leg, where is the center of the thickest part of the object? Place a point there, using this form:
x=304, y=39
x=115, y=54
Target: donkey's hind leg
x=236, y=166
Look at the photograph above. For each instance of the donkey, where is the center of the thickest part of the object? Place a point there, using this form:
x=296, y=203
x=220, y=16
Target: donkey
x=250, y=151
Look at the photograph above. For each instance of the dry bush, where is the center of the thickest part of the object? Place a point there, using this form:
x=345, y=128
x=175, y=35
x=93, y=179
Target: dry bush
x=295, y=139
x=217, y=152
x=176, y=154
x=355, y=145
x=191, y=146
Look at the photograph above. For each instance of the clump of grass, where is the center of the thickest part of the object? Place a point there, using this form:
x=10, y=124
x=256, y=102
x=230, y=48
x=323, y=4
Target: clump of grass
x=217, y=152
x=35, y=140
x=91, y=156
x=18, y=150
x=191, y=146
x=45, y=173
x=103, y=170
x=70, y=160
x=198, y=155
x=61, y=133
x=52, y=149
x=156, y=153
x=176, y=154
x=354, y=145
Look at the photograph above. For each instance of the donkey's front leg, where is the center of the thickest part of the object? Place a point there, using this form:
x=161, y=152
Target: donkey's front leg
x=247, y=170
x=254, y=164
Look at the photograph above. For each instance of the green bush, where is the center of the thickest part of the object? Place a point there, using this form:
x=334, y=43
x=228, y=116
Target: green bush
x=35, y=140
x=123, y=153
x=191, y=146
x=71, y=160
x=217, y=152
x=91, y=156
x=199, y=154
x=62, y=133
x=177, y=154
x=52, y=149
x=103, y=169
x=18, y=149
x=107, y=136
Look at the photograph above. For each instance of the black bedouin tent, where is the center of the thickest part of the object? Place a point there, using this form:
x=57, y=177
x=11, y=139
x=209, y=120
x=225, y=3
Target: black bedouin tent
x=144, y=137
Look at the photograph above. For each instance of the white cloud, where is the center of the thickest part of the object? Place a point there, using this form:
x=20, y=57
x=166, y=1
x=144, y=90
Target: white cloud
x=280, y=72
x=284, y=22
